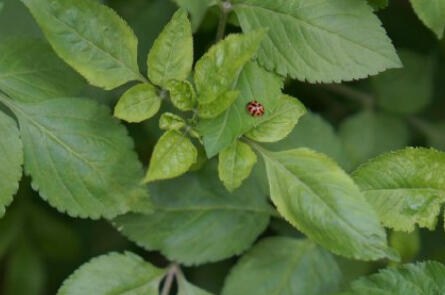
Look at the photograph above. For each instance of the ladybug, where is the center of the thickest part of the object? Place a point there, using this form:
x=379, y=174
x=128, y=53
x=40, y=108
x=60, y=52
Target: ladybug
x=255, y=108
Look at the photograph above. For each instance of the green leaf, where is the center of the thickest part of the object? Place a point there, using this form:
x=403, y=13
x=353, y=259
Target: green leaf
x=79, y=157
x=330, y=41
x=172, y=156
x=171, y=56
x=25, y=271
x=313, y=132
x=91, y=38
x=378, y=4
x=11, y=160
x=235, y=164
x=432, y=13
x=283, y=119
x=197, y=9
x=254, y=83
x=31, y=72
x=410, y=279
x=217, y=106
x=406, y=187
x=114, y=274
x=406, y=244
x=408, y=90
x=367, y=134
x=169, y=121
x=289, y=266
x=139, y=103
x=182, y=94
x=185, y=288
x=218, y=70
x=196, y=220
x=1, y=6
x=322, y=201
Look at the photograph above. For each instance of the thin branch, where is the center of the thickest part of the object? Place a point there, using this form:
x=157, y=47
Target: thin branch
x=174, y=268
x=225, y=9
x=363, y=98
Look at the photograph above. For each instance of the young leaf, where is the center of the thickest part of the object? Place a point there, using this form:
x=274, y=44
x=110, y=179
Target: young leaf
x=217, y=106
x=197, y=9
x=79, y=157
x=186, y=288
x=313, y=132
x=410, y=279
x=114, y=274
x=254, y=83
x=11, y=160
x=171, y=56
x=196, y=220
x=406, y=187
x=235, y=164
x=290, y=267
x=91, y=38
x=173, y=155
x=322, y=201
x=182, y=94
x=283, y=119
x=367, y=134
x=139, y=103
x=432, y=13
x=336, y=40
x=218, y=70
x=407, y=90
x=31, y=71
x=169, y=121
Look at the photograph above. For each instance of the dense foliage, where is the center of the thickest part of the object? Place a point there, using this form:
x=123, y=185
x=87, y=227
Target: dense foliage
x=173, y=156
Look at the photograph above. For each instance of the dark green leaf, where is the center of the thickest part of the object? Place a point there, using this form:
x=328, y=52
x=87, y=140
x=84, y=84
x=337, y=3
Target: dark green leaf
x=196, y=220
x=11, y=160
x=30, y=71
x=289, y=266
x=91, y=38
x=79, y=157
x=327, y=41
x=114, y=274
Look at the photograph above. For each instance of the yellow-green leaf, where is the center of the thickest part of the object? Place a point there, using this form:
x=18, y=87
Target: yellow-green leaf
x=169, y=121
x=217, y=106
x=218, y=70
x=405, y=187
x=173, y=155
x=285, y=115
x=171, y=56
x=235, y=164
x=139, y=103
x=182, y=94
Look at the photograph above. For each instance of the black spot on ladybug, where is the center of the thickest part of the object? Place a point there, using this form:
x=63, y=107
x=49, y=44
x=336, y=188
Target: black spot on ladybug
x=255, y=108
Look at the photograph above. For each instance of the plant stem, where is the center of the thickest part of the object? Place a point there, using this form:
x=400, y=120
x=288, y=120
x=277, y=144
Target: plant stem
x=225, y=8
x=365, y=99
x=169, y=279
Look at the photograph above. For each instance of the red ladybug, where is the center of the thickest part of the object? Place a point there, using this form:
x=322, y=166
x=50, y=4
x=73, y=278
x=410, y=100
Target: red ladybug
x=255, y=108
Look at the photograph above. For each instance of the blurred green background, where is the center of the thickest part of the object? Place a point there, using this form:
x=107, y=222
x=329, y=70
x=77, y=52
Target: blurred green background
x=39, y=247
